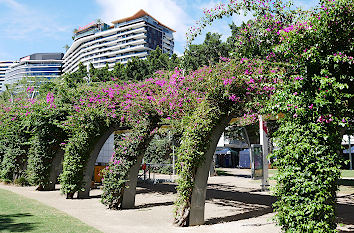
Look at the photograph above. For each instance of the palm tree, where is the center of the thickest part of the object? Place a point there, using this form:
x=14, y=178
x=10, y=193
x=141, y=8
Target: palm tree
x=66, y=47
x=74, y=31
x=98, y=21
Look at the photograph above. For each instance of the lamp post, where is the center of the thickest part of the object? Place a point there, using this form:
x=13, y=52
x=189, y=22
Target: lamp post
x=350, y=154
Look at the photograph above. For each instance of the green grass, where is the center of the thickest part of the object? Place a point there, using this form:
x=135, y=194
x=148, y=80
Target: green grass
x=272, y=172
x=20, y=214
x=220, y=172
x=345, y=173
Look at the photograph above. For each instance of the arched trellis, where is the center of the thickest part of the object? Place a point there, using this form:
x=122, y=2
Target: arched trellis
x=129, y=190
x=88, y=172
x=322, y=74
x=197, y=200
x=203, y=121
x=226, y=92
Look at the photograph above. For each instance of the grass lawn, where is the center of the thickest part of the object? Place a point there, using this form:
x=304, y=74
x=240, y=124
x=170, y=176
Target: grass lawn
x=20, y=214
x=345, y=173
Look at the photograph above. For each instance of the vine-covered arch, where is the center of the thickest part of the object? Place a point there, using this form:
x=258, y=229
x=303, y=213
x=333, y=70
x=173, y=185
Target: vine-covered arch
x=302, y=71
x=87, y=115
x=96, y=148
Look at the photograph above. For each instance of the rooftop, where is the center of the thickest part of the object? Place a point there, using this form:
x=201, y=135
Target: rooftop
x=84, y=28
x=137, y=15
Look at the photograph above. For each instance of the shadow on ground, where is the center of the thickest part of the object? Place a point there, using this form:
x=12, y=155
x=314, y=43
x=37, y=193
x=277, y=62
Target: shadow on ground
x=345, y=212
x=249, y=204
x=9, y=223
x=225, y=173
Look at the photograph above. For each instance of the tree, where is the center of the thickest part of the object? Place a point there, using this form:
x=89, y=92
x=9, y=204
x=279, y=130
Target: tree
x=136, y=69
x=75, y=30
x=72, y=79
x=104, y=74
x=99, y=21
x=175, y=61
x=314, y=98
x=66, y=47
x=157, y=60
x=207, y=53
x=118, y=71
x=92, y=72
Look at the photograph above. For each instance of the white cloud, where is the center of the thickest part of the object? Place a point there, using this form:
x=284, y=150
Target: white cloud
x=21, y=21
x=239, y=18
x=13, y=5
x=169, y=12
x=305, y=5
x=179, y=54
x=207, y=5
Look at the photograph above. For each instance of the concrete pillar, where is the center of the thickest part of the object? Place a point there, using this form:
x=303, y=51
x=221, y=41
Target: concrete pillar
x=55, y=169
x=196, y=216
x=90, y=165
x=264, y=141
x=129, y=192
x=212, y=166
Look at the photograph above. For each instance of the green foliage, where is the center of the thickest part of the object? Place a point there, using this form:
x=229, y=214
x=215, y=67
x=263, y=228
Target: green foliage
x=195, y=142
x=299, y=67
x=159, y=151
x=77, y=77
x=161, y=61
x=99, y=75
x=312, y=98
x=135, y=69
x=118, y=71
x=207, y=53
x=129, y=148
x=13, y=146
x=316, y=108
x=21, y=181
x=308, y=173
x=75, y=157
x=44, y=146
x=77, y=152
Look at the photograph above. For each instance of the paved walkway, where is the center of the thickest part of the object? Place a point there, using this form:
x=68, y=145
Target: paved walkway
x=234, y=204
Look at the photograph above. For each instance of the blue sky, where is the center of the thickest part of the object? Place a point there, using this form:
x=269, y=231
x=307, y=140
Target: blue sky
x=34, y=26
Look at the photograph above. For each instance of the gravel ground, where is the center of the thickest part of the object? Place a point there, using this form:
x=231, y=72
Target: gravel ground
x=234, y=204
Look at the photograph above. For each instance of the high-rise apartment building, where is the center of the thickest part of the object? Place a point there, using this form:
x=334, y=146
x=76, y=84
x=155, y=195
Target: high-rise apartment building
x=101, y=44
x=4, y=66
x=43, y=65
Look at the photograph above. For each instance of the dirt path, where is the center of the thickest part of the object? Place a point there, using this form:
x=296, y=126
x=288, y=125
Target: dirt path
x=234, y=204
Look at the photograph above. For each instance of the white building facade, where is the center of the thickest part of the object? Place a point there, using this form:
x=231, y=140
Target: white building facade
x=4, y=66
x=38, y=65
x=101, y=44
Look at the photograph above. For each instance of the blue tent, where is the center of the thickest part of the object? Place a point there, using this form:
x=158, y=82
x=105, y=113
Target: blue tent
x=226, y=157
x=225, y=151
x=347, y=150
x=245, y=161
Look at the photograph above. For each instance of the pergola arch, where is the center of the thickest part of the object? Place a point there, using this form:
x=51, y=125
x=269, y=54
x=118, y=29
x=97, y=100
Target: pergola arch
x=88, y=172
x=196, y=214
x=207, y=100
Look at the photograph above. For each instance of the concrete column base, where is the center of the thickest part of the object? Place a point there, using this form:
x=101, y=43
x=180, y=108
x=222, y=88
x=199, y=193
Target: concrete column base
x=196, y=216
x=55, y=169
x=129, y=192
x=88, y=172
